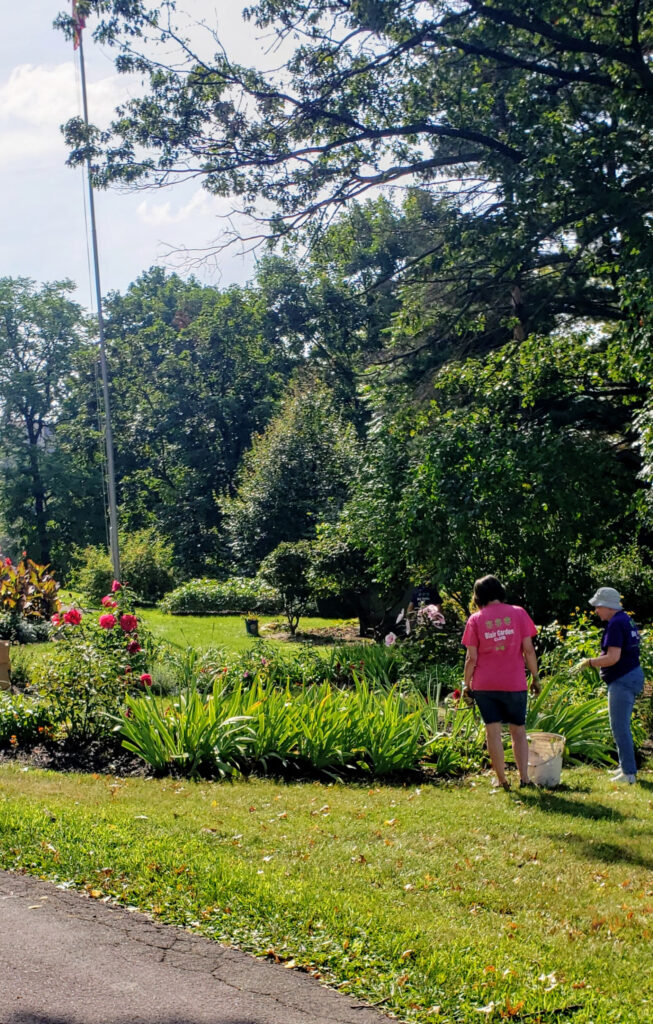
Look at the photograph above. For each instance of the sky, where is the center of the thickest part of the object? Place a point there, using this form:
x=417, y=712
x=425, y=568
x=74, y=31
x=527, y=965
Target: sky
x=44, y=236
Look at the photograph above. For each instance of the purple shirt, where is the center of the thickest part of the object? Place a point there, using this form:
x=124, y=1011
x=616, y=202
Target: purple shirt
x=621, y=632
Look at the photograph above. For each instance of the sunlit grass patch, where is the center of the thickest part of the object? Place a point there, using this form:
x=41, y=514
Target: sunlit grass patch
x=490, y=907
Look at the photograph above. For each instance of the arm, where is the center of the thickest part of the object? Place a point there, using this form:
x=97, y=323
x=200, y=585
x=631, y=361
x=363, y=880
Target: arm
x=470, y=664
x=611, y=657
x=530, y=657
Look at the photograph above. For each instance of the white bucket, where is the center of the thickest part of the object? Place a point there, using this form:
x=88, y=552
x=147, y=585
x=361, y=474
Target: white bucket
x=545, y=750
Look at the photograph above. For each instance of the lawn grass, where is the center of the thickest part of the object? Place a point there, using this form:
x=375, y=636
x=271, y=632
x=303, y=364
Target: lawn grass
x=451, y=903
x=228, y=631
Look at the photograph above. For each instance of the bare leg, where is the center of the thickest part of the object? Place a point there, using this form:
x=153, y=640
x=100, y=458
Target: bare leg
x=520, y=749
x=495, y=750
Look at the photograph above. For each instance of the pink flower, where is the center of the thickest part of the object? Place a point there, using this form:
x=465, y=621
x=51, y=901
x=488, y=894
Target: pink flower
x=390, y=639
x=115, y=586
x=107, y=621
x=134, y=647
x=56, y=619
x=128, y=623
x=146, y=679
x=8, y=561
x=430, y=612
x=73, y=617
x=109, y=602
x=455, y=695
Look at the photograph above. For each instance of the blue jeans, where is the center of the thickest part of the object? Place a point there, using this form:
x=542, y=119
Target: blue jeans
x=621, y=700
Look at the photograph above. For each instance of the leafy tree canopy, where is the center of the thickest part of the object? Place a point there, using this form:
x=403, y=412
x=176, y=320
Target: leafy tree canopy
x=533, y=122
x=297, y=474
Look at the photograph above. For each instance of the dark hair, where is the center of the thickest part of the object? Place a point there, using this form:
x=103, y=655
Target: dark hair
x=487, y=589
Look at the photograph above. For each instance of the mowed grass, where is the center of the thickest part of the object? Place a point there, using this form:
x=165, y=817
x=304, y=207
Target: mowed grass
x=226, y=631
x=449, y=903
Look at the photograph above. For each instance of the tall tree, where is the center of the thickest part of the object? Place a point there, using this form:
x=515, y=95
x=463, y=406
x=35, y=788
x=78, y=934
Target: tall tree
x=297, y=474
x=533, y=121
x=41, y=335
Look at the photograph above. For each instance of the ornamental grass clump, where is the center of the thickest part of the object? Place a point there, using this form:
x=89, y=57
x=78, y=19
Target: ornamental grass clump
x=96, y=662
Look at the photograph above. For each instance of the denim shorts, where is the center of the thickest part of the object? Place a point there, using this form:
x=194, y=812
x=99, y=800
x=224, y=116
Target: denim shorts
x=502, y=706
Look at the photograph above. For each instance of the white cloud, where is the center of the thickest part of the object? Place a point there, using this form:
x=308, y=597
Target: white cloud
x=35, y=100
x=158, y=215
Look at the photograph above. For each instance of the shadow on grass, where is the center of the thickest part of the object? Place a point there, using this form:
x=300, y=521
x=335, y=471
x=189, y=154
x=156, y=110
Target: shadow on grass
x=556, y=803
x=610, y=853
x=645, y=784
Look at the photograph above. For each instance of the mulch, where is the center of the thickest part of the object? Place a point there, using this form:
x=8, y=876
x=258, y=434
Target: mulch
x=97, y=758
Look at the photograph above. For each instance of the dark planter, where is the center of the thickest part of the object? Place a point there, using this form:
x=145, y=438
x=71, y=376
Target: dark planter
x=251, y=625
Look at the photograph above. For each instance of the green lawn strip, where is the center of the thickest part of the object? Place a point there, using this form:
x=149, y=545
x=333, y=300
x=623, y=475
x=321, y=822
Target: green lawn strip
x=535, y=907
x=200, y=632
x=226, y=631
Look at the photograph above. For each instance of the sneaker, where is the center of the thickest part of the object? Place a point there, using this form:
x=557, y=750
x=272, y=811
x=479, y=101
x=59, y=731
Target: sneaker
x=613, y=772
x=527, y=784
x=622, y=777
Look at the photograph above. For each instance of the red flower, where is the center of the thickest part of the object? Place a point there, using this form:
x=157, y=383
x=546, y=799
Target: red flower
x=456, y=694
x=109, y=602
x=73, y=617
x=134, y=647
x=116, y=586
x=8, y=561
x=146, y=679
x=107, y=621
x=56, y=619
x=128, y=623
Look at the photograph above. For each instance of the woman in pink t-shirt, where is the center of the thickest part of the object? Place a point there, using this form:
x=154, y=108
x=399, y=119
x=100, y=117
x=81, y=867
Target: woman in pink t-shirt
x=499, y=643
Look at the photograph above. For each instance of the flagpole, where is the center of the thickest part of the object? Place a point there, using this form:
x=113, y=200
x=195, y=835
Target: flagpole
x=108, y=434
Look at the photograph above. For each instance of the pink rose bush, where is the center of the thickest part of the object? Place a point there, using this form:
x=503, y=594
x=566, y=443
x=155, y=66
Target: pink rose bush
x=97, y=661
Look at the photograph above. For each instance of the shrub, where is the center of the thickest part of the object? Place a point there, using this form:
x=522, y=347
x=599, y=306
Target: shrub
x=27, y=590
x=630, y=570
x=237, y=594
x=94, y=664
x=24, y=721
x=286, y=569
x=19, y=630
x=145, y=563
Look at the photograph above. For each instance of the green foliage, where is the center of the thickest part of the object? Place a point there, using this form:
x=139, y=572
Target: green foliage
x=509, y=251
x=42, y=337
x=196, y=735
x=499, y=473
x=286, y=570
x=584, y=724
x=24, y=721
x=146, y=562
x=209, y=597
x=27, y=590
x=93, y=667
x=297, y=473
x=426, y=641
x=18, y=630
x=629, y=568
x=265, y=720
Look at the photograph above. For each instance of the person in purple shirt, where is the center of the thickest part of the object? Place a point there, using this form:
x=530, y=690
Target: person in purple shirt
x=621, y=671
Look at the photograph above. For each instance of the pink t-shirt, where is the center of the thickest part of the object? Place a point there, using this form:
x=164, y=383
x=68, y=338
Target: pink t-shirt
x=497, y=632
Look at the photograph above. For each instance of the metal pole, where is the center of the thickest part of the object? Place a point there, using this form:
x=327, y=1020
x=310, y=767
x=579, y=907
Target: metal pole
x=108, y=435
